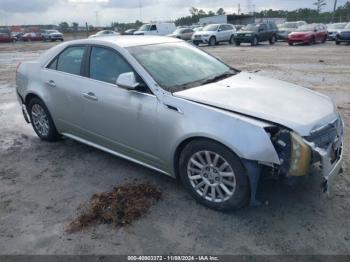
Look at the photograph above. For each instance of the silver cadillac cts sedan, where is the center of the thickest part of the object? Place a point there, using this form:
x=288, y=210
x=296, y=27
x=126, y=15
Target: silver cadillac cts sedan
x=167, y=105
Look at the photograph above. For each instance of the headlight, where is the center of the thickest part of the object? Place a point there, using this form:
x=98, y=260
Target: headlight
x=294, y=153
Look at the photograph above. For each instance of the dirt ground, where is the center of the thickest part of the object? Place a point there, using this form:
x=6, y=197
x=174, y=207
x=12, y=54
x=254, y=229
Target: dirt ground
x=43, y=184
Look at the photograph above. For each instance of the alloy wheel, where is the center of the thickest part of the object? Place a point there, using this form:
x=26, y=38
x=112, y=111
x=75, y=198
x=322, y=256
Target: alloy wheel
x=211, y=176
x=40, y=120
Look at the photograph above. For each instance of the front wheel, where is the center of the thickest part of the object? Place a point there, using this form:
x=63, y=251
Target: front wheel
x=232, y=40
x=212, y=41
x=238, y=43
x=337, y=42
x=254, y=41
x=41, y=119
x=214, y=175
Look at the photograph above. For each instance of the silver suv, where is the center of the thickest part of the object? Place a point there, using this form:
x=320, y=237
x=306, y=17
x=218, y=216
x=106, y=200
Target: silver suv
x=214, y=34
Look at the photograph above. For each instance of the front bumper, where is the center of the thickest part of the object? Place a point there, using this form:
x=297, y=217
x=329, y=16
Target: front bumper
x=201, y=39
x=243, y=39
x=330, y=168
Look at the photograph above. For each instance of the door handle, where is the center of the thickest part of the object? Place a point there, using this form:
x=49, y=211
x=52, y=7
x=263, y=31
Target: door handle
x=51, y=83
x=90, y=96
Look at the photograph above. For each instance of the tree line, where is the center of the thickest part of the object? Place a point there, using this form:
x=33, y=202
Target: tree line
x=309, y=15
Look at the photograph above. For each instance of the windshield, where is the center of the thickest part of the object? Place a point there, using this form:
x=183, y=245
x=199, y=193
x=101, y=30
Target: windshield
x=250, y=27
x=179, y=31
x=306, y=28
x=211, y=28
x=288, y=25
x=145, y=28
x=179, y=66
x=336, y=26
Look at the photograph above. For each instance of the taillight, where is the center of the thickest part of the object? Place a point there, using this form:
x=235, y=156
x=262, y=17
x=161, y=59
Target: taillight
x=19, y=64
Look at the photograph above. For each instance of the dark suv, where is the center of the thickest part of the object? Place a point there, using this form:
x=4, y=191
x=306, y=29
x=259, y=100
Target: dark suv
x=255, y=33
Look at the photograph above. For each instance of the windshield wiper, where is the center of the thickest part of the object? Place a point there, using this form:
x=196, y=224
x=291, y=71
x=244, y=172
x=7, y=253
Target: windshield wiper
x=218, y=78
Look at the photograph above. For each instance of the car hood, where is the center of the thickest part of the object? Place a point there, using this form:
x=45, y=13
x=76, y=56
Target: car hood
x=204, y=33
x=301, y=33
x=344, y=30
x=246, y=32
x=289, y=105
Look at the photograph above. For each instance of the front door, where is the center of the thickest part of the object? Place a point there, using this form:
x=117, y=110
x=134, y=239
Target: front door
x=119, y=119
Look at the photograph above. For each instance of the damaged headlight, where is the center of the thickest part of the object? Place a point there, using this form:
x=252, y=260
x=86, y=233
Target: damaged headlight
x=294, y=153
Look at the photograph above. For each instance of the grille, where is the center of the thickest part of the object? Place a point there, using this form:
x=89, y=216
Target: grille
x=327, y=135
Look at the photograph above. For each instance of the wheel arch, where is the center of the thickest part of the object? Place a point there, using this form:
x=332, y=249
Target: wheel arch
x=188, y=140
x=30, y=96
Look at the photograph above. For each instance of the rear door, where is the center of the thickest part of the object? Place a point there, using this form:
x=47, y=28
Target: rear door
x=63, y=80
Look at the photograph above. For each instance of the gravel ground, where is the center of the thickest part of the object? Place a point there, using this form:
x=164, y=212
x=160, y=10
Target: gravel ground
x=42, y=184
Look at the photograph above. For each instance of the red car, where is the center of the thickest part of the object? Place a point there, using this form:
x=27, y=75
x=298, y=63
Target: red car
x=6, y=38
x=308, y=34
x=32, y=37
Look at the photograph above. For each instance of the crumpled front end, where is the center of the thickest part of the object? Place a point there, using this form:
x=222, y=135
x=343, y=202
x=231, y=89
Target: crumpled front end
x=321, y=152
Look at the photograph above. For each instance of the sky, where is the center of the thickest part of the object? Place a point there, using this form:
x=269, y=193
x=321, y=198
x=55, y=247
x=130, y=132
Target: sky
x=103, y=12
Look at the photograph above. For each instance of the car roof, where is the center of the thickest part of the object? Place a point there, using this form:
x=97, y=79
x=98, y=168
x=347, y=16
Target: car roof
x=129, y=40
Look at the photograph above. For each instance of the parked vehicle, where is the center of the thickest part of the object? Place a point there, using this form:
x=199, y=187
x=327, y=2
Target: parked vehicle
x=333, y=30
x=7, y=38
x=130, y=31
x=156, y=29
x=286, y=28
x=183, y=33
x=308, y=34
x=192, y=117
x=214, y=33
x=52, y=35
x=17, y=35
x=256, y=33
x=197, y=29
x=343, y=35
x=32, y=37
x=104, y=33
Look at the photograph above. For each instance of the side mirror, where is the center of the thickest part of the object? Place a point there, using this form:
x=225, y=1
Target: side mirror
x=220, y=30
x=127, y=80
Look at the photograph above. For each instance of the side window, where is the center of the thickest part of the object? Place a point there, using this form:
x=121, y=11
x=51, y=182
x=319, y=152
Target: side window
x=153, y=28
x=53, y=65
x=70, y=60
x=106, y=65
x=263, y=27
x=222, y=28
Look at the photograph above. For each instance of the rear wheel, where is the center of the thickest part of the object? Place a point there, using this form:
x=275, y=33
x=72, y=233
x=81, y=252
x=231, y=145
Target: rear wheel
x=237, y=43
x=214, y=175
x=272, y=40
x=41, y=120
x=312, y=41
x=324, y=39
x=337, y=42
x=212, y=41
x=290, y=43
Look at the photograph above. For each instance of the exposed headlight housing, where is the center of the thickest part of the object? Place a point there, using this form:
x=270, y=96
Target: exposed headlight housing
x=294, y=154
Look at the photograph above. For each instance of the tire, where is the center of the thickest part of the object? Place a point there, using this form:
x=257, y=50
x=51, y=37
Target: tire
x=48, y=132
x=324, y=40
x=232, y=40
x=231, y=191
x=313, y=41
x=337, y=42
x=212, y=41
x=290, y=43
x=254, y=41
x=196, y=43
x=272, y=40
x=237, y=43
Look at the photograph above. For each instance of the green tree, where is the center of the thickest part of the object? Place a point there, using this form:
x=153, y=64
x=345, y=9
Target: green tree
x=64, y=26
x=220, y=11
x=319, y=4
x=75, y=26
